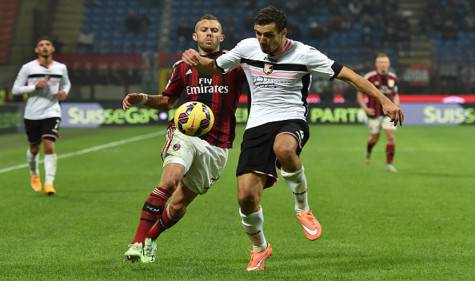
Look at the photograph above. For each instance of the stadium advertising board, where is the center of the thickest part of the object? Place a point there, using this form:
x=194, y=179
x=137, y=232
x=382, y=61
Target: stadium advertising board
x=90, y=115
x=10, y=118
x=93, y=115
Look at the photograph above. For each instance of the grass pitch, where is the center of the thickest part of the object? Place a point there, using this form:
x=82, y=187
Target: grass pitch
x=414, y=225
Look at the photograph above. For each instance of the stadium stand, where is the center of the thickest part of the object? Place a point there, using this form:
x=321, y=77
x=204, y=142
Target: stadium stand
x=8, y=14
x=430, y=42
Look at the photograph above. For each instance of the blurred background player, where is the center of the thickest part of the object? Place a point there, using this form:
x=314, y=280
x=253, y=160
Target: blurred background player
x=387, y=83
x=46, y=83
x=279, y=73
x=190, y=164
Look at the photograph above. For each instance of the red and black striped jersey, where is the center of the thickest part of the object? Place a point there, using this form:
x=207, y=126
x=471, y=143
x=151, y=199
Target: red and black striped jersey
x=220, y=92
x=388, y=85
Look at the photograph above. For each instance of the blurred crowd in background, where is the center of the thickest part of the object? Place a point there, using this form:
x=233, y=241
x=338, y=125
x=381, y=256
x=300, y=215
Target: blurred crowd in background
x=127, y=43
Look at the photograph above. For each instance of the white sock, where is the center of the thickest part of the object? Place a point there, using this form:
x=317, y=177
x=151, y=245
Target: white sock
x=297, y=183
x=50, y=168
x=33, y=162
x=254, y=226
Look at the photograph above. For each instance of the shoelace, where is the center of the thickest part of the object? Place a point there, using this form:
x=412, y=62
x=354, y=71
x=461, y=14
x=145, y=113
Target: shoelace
x=311, y=217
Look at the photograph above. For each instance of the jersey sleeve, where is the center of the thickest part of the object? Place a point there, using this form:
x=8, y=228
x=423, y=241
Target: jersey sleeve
x=20, y=86
x=396, y=87
x=176, y=84
x=65, y=82
x=231, y=59
x=320, y=65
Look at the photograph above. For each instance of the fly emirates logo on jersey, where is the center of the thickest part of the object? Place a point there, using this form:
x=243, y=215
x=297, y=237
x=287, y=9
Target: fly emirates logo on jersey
x=206, y=87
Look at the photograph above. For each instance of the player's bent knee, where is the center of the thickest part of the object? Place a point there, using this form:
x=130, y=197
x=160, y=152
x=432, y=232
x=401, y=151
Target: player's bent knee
x=248, y=200
x=284, y=152
x=34, y=150
x=170, y=184
x=375, y=138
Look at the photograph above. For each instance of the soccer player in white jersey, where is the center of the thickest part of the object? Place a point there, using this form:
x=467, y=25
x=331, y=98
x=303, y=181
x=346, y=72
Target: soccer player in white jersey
x=279, y=73
x=46, y=83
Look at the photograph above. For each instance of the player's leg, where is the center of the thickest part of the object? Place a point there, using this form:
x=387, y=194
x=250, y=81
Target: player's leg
x=153, y=208
x=178, y=154
x=171, y=214
x=374, y=128
x=173, y=211
x=287, y=146
x=155, y=203
x=33, y=133
x=390, y=149
x=256, y=171
x=250, y=187
x=205, y=169
x=50, y=164
x=372, y=141
x=50, y=129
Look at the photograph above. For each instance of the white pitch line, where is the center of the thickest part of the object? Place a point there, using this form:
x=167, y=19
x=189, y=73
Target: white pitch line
x=90, y=149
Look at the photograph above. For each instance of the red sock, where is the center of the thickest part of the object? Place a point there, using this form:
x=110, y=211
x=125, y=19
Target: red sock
x=162, y=224
x=151, y=212
x=390, y=150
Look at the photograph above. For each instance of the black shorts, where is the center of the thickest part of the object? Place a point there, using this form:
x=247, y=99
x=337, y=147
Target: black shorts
x=257, y=148
x=36, y=130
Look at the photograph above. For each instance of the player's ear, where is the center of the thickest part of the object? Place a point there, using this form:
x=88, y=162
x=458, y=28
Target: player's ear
x=194, y=36
x=284, y=31
x=221, y=38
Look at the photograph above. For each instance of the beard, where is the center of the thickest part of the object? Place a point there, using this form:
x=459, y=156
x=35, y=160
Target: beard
x=208, y=48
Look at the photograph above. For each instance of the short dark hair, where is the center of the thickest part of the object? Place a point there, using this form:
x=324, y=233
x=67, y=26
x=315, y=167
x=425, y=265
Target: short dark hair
x=43, y=38
x=271, y=14
x=382, y=55
x=208, y=17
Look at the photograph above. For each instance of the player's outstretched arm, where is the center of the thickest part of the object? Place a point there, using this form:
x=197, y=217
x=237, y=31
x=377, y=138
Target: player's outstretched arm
x=159, y=102
x=364, y=86
x=203, y=64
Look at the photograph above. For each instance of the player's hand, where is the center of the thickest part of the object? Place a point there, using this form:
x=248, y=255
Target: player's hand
x=191, y=57
x=369, y=112
x=61, y=95
x=394, y=112
x=131, y=99
x=42, y=83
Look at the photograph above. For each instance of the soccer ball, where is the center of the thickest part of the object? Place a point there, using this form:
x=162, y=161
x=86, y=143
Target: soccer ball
x=194, y=118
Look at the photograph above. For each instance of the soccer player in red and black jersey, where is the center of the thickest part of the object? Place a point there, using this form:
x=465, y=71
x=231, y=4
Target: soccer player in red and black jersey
x=387, y=83
x=190, y=164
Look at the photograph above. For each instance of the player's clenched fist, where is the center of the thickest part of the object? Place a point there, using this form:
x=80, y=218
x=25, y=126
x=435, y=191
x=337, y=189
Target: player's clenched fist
x=191, y=57
x=42, y=83
x=61, y=95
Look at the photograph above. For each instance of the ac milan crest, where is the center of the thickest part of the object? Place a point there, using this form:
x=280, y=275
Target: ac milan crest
x=391, y=83
x=268, y=68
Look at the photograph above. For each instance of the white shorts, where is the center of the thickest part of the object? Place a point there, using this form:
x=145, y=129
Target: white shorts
x=375, y=124
x=203, y=162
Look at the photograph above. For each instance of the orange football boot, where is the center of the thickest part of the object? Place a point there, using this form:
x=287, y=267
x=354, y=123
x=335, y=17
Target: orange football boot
x=36, y=183
x=49, y=189
x=311, y=227
x=257, y=259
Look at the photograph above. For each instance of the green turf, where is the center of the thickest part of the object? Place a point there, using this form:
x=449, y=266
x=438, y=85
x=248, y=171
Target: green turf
x=414, y=225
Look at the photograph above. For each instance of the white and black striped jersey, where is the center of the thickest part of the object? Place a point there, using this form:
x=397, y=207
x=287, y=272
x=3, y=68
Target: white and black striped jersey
x=42, y=103
x=279, y=85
